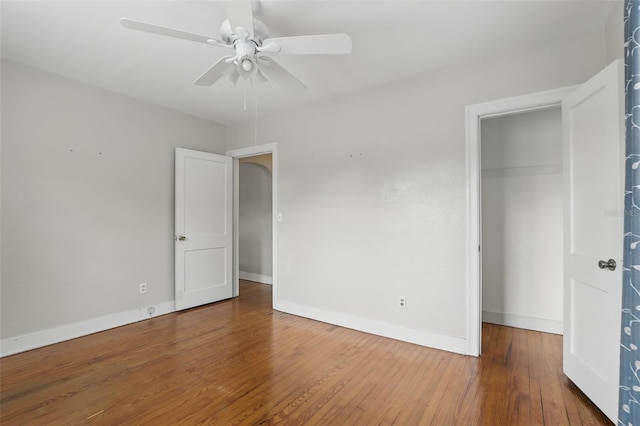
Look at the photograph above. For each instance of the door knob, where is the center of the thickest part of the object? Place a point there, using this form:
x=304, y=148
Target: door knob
x=607, y=264
x=182, y=238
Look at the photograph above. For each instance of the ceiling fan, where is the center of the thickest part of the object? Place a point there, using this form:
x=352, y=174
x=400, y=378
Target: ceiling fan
x=252, y=47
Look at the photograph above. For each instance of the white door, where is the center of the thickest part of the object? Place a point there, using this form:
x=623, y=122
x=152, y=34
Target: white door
x=593, y=141
x=204, y=235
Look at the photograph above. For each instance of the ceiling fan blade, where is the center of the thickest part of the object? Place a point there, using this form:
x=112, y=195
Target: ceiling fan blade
x=274, y=72
x=322, y=44
x=240, y=14
x=216, y=71
x=170, y=32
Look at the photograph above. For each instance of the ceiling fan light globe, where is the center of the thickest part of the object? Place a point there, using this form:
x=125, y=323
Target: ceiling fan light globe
x=247, y=65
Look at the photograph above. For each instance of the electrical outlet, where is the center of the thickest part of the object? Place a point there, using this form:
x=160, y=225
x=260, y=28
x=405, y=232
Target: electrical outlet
x=151, y=310
x=402, y=302
x=143, y=288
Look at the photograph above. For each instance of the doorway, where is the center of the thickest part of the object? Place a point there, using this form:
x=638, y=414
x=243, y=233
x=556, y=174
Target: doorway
x=255, y=218
x=263, y=154
x=522, y=220
x=475, y=114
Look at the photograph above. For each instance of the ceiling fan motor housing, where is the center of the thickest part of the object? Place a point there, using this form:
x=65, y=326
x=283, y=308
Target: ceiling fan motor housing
x=246, y=60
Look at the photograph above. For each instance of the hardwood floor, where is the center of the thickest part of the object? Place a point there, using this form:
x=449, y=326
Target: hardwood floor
x=239, y=362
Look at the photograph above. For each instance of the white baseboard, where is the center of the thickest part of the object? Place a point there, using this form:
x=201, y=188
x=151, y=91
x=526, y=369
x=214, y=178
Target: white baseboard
x=250, y=276
x=419, y=337
x=519, y=321
x=26, y=342
x=14, y=345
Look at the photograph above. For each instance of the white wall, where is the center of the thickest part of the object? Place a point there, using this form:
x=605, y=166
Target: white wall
x=87, y=200
x=254, y=228
x=614, y=32
x=372, y=189
x=522, y=234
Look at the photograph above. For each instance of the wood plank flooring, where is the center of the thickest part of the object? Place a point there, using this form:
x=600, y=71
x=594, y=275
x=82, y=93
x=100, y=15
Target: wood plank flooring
x=239, y=362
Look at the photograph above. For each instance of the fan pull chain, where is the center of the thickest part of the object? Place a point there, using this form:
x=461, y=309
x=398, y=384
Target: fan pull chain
x=255, y=126
x=244, y=87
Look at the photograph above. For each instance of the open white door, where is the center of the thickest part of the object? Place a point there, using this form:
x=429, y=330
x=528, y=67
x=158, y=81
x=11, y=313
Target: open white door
x=594, y=185
x=204, y=234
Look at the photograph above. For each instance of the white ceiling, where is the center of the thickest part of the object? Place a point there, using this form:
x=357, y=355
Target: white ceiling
x=392, y=40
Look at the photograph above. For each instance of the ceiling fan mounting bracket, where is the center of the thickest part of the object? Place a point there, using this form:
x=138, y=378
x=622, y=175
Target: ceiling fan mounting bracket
x=229, y=36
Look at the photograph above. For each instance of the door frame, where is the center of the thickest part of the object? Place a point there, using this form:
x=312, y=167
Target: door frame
x=237, y=154
x=473, y=115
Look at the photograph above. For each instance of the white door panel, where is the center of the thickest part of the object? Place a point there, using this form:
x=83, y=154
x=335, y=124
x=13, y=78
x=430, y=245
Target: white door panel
x=204, y=214
x=203, y=247
x=593, y=167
